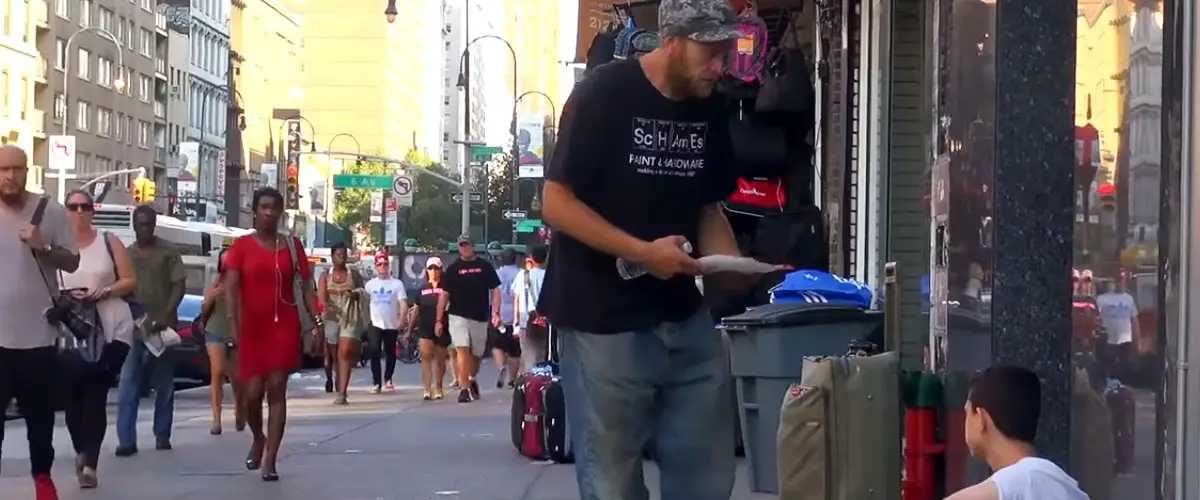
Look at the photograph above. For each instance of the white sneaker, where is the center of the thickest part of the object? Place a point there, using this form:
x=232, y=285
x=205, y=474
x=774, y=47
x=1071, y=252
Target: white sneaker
x=376, y=390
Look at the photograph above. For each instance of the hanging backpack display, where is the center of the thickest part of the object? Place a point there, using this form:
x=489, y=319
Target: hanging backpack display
x=633, y=42
x=757, y=196
x=749, y=55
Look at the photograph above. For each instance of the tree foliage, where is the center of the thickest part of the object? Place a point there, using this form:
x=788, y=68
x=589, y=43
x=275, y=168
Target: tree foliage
x=499, y=199
x=434, y=220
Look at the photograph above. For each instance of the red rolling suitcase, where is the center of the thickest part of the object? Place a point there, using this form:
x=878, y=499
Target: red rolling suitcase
x=539, y=414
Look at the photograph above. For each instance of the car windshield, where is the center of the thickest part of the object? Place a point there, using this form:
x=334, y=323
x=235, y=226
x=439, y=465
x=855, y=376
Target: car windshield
x=189, y=308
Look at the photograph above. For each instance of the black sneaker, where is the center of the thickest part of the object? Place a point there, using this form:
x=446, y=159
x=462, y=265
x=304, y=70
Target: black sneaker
x=126, y=451
x=500, y=378
x=328, y=386
x=162, y=444
x=474, y=390
x=464, y=396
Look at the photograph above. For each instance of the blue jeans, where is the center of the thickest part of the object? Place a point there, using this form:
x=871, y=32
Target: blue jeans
x=666, y=387
x=162, y=380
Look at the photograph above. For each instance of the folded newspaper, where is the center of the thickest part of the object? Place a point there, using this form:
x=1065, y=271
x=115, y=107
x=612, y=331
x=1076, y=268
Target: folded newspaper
x=158, y=342
x=741, y=265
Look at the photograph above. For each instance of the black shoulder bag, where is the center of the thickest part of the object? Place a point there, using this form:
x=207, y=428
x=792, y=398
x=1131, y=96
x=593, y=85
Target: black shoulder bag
x=79, y=318
x=536, y=325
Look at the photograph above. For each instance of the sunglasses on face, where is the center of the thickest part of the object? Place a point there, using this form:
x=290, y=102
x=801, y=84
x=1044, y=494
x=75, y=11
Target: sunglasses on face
x=79, y=207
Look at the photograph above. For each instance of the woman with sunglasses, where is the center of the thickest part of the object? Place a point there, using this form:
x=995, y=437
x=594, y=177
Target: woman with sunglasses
x=264, y=313
x=220, y=345
x=433, y=344
x=105, y=276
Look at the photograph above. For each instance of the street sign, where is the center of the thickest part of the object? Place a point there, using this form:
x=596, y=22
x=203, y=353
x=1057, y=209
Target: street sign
x=514, y=215
x=475, y=197
x=528, y=225
x=389, y=205
x=480, y=154
x=360, y=181
x=402, y=185
x=62, y=152
x=376, y=206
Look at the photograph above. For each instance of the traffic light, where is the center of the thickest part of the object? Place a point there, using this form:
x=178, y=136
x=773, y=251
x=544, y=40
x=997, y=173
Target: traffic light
x=1108, y=197
x=149, y=189
x=292, y=188
x=143, y=190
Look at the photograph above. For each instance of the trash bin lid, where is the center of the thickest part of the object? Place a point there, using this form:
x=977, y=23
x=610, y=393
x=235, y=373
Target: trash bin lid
x=798, y=313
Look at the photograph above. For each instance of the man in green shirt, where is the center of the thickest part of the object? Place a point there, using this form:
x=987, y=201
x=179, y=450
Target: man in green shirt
x=160, y=288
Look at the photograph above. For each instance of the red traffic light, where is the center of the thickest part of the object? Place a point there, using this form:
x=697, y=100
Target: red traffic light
x=1106, y=190
x=293, y=170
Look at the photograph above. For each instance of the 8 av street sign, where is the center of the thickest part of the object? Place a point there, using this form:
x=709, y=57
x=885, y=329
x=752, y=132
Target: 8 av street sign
x=362, y=181
x=475, y=197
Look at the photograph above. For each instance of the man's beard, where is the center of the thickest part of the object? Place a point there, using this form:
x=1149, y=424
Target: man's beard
x=678, y=79
x=14, y=199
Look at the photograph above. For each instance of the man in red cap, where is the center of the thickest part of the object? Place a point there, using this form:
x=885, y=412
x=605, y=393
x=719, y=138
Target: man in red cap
x=389, y=305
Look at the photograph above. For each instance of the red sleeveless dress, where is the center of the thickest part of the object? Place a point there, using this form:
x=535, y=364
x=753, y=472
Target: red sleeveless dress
x=269, y=339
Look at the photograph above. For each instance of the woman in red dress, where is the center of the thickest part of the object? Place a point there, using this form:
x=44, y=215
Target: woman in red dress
x=259, y=273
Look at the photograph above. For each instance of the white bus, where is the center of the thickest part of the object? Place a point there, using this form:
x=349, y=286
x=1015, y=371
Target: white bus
x=199, y=242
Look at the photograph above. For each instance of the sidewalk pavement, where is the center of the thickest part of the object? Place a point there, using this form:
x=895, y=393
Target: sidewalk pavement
x=380, y=447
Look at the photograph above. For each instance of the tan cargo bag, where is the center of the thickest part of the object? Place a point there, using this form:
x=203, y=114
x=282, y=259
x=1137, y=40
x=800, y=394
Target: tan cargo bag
x=839, y=430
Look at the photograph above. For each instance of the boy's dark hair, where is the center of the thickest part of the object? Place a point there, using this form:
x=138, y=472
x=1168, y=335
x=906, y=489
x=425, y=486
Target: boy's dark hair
x=1012, y=396
x=266, y=192
x=339, y=246
x=145, y=210
x=538, y=254
x=508, y=257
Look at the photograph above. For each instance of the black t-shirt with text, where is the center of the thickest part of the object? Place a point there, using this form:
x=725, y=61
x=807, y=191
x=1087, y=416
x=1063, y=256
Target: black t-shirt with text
x=648, y=165
x=427, y=301
x=470, y=284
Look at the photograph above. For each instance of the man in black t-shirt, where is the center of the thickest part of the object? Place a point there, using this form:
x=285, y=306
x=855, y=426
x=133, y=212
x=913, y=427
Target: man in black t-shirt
x=642, y=160
x=470, y=297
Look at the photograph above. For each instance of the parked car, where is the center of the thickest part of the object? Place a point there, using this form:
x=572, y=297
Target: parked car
x=191, y=358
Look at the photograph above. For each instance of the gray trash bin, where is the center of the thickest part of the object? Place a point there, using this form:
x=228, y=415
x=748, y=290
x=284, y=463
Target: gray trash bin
x=767, y=349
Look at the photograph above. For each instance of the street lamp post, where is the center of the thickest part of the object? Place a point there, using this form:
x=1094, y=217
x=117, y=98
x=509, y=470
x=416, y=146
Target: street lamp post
x=516, y=151
x=463, y=83
x=118, y=83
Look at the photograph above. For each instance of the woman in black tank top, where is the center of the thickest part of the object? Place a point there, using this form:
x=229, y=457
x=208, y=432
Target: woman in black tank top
x=433, y=345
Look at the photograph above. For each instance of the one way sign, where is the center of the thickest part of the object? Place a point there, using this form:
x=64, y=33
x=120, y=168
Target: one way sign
x=514, y=215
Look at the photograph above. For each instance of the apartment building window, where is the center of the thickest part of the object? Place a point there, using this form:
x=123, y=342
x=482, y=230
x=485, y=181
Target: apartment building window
x=60, y=53
x=129, y=129
x=146, y=44
x=129, y=31
x=144, y=88
x=129, y=81
x=62, y=8
x=103, y=122
x=60, y=107
x=85, y=13
x=143, y=134
x=84, y=62
x=83, y=162
x=147, y=5
x=104, y=69
x=83, y=116
x=103, y=164
x=120, y=127
x=106, y=19
x=119, y=34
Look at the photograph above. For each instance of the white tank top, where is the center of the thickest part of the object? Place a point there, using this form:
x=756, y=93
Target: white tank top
x=96, y=271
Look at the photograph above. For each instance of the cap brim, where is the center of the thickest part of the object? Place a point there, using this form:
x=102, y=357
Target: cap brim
x=717, y=34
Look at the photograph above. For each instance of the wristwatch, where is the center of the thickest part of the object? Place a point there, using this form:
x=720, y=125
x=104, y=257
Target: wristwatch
x=47, y=248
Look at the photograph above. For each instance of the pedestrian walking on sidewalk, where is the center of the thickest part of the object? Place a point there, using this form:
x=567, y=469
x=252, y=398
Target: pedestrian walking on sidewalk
x=104, y=278
x=222, y=351
x=341, y=290
x=160, y=286
x=433, y=340
x=470, y=288
x=389, y=306
x=526, y=289
x=506, y=349
x=36, y=242
x=260, y=270
x=636, y=182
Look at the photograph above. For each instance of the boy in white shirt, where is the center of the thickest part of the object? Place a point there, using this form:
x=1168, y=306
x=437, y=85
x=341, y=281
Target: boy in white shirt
x=534, y=348
x=1002, y=416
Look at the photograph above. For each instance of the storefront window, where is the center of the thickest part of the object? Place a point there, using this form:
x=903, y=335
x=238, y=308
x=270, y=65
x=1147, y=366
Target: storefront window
x=1120, y=400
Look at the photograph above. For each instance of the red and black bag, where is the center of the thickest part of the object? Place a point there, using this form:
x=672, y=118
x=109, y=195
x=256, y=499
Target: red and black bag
x=539, y=412
x=757, y=196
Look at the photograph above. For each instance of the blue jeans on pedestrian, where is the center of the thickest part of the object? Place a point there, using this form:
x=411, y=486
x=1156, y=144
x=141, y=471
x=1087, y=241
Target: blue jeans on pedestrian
x=666, y=387
x=162, y=381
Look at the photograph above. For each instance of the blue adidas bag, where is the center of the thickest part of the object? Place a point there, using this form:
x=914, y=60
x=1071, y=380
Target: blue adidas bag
x=819, y=287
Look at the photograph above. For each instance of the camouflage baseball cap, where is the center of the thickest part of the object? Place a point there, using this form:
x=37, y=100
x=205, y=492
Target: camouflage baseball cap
x=699, y=20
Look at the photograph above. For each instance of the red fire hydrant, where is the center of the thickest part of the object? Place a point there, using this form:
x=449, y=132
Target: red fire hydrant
x=922, y=450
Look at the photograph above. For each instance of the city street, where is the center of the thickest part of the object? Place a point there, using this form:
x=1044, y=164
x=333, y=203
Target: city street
x=381, y=447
